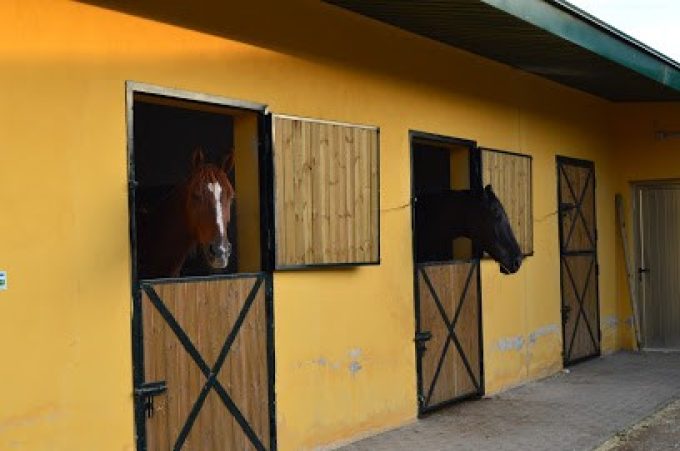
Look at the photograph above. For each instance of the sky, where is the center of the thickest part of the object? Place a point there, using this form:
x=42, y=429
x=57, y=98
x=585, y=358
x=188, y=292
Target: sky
x=655, y=23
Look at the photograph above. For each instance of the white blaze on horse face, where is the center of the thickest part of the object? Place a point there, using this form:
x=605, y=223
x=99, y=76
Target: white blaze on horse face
x=216, y=190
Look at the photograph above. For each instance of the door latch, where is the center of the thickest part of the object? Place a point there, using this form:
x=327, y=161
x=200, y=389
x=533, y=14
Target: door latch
x=566, y=207
x=421, y=338
x=641, y=272
x=566, y=310
x=147, y=392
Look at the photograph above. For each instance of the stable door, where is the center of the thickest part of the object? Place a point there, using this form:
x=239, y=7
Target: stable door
x=658, y=263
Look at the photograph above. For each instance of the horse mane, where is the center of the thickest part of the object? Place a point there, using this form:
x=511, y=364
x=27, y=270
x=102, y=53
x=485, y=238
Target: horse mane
x=494, y=203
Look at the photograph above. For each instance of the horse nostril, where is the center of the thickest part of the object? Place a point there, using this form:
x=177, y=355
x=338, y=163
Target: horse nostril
x=215, y=250
x=517, y=263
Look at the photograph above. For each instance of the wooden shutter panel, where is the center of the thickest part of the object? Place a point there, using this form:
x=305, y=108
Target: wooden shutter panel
x=325, y=193
x=510, y=176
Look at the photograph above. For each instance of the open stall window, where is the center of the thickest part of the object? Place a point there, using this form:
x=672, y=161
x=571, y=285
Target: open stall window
x=441, y=164
x=326, y=201
x=171, y=137
x=510, y=176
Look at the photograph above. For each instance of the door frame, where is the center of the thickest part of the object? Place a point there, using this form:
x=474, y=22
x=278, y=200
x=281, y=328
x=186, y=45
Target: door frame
x=475, y=182
x=636, y=190
x=266, y=197
x=559, y=159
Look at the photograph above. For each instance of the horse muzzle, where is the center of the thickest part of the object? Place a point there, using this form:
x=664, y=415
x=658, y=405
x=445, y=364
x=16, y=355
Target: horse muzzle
x=512, y=266
x=218, y=255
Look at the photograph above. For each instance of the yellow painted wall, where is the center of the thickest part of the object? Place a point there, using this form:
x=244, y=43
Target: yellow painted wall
x=642, y=156
x=345, y=355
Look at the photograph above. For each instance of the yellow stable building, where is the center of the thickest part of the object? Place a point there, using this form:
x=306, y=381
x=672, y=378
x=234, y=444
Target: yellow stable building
x=337, y=322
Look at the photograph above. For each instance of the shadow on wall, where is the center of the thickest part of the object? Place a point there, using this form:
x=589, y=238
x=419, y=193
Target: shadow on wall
x=276, y=26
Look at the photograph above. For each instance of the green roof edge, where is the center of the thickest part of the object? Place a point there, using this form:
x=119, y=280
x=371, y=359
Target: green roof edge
x=573, y=24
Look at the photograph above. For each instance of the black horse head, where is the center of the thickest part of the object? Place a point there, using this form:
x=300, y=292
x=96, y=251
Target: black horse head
x=494, y=234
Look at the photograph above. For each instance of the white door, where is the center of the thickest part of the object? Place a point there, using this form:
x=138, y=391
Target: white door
x=658, y=264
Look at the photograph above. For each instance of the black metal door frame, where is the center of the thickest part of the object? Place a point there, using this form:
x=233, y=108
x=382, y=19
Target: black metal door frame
x=144, y=391
x=421, y=336
x=594, y=266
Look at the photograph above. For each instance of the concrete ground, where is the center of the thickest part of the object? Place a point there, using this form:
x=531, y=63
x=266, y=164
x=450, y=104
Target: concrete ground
x=578, y=410
x=660, y=431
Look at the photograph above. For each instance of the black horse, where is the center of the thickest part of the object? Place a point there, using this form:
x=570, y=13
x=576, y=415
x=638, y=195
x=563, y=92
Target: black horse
x=478, y=215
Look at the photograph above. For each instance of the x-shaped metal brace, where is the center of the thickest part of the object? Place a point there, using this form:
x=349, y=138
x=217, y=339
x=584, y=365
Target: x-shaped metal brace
x=580, y=299
x=578, y=207
x=211, y=373
x=450, y=326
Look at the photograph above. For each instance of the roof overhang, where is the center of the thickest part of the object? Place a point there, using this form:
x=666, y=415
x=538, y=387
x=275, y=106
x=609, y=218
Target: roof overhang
x=549, y=38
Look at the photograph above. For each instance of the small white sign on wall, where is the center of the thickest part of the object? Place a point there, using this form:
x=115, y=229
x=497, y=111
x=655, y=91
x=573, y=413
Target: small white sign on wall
x=3, y=280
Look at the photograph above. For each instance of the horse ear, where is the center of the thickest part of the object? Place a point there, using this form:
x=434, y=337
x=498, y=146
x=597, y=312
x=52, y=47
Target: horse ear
x=488, y=193
x=197, y=158
x=228, y=162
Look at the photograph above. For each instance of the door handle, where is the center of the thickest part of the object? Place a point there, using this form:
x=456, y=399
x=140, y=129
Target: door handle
x=566, y=207
x=566, y=310
x=421, y=338
x=147, y=392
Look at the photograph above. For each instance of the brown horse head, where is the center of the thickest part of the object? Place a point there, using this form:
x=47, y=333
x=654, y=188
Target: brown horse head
x=209, y=196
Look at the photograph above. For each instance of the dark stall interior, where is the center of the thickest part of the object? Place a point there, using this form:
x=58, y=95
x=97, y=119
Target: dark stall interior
x=166, y=133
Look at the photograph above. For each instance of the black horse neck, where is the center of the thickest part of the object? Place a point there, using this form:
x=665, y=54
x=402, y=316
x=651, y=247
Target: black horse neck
x=458, y=209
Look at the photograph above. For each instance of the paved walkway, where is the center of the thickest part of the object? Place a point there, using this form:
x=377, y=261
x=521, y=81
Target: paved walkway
x=578, y=410
x=660, y=431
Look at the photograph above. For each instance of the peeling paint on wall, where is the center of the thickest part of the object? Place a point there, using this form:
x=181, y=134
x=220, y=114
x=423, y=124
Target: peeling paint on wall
x=321, y=362
x=517, y=343
x=610, y=322
x=542, y=332
x=354, y=365
x=536, y=354
x=510, y=343
x=614, y=322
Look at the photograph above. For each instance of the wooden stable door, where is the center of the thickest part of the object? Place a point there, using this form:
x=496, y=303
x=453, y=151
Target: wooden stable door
x=449, y=333
x=578, y=259
x=205, y=383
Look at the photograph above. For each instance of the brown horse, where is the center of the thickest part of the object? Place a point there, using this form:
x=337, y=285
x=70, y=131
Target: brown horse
x=195, y=215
